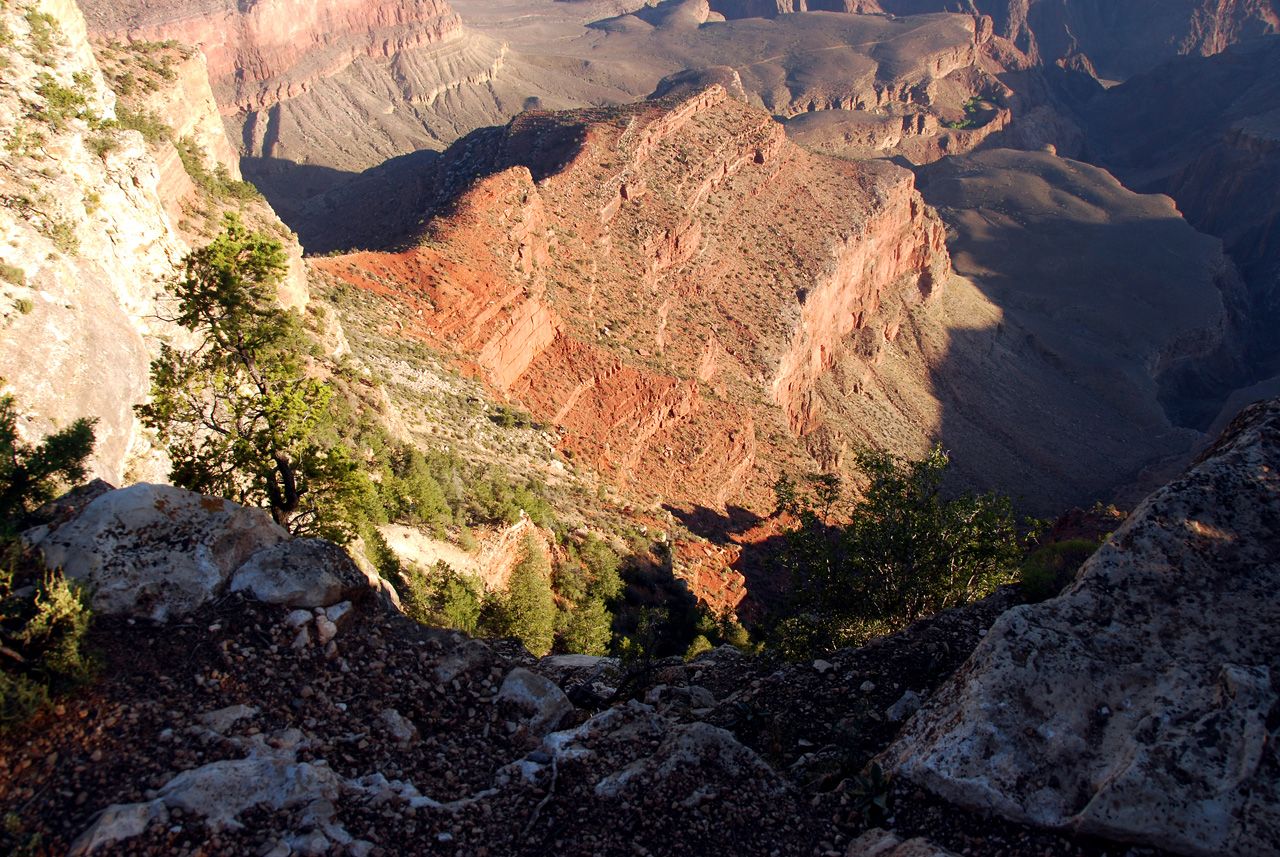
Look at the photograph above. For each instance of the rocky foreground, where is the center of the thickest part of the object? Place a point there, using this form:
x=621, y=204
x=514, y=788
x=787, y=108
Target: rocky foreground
x=294, y=710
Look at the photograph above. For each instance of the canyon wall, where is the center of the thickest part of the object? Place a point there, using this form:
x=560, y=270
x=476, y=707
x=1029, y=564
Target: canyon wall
x=622, y=280
x=1118, y=38
x=86, y=244
x=90, y=234
x=1206, y=131
x=260, y=53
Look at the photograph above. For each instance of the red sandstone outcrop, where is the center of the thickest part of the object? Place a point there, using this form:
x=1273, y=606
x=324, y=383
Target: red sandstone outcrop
x=624, y=282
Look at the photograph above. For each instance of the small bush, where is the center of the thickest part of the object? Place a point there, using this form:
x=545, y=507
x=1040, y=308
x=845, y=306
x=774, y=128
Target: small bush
x=12, y=274
x=102, y=144
x=699, y=645
x=44, y=34
x=1051, y=568
x=24, y=305
x=216, y=182
x=63, y=235
x=43, y=636
x=61, y=103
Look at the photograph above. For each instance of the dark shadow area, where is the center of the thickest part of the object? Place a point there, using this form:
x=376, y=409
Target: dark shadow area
x=389, y=205
x=760, y=543
x=715, y=526
x=288, y=185
x=1206, y=132
x=1113, y=289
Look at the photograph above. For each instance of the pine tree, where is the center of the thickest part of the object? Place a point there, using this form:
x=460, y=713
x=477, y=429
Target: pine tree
x=528, y=608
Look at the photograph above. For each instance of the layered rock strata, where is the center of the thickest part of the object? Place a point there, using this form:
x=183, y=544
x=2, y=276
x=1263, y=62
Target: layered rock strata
x=623, y=281
x=260, y=53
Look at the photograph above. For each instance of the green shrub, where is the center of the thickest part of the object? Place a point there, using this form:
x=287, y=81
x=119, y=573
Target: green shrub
x=43, y=636
x=63, y=235
x=13, y=274
x=32, y=475
x=699, y=645
x=216, y=182
x=589, y=630
x=44, y=34
x=24, y=305
x=60, y=103
x=1051, y=568
x=102, y=144
x=898, y=552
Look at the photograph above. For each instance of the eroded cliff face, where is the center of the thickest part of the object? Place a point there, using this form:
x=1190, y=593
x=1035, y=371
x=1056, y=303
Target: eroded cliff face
x=662, y=282
x=85, y=241
x=1120, y=38
x=89, y=233
x=260, y=53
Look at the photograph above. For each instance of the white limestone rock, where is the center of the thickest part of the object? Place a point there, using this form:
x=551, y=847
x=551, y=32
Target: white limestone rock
x=156, y=550
x=301, y=573
x=538, y=697
x=1135, y=706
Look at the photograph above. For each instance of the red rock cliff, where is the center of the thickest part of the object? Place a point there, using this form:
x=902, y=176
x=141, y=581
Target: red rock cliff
x=668, y=287
x=262, y=51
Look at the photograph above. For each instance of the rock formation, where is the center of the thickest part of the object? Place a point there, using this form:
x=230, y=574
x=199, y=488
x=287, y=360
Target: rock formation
x=159, y=551
x=1138, y=705
x=620, y=281
x=1206, y=132
x=85, y=241
x=1119, y=39
x=89, y=239
x=261, y=53
x=639, y=302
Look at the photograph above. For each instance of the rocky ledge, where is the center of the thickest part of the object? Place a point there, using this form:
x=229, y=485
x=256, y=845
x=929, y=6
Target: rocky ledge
x=1139, y=705
x=261, y=719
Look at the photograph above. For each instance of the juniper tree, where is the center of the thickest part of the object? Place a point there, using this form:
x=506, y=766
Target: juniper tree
x=239, y=413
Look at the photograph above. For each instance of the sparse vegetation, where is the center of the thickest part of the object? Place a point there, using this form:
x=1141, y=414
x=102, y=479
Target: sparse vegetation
x=102, y=144
x=216, y=182
x=45, y=35
x=12, y=274
x=41, y=636
x=60, y=103
x=63, y=234
x=898, y=552
x=975, y=110
x=24, y=305
x=1051, y=568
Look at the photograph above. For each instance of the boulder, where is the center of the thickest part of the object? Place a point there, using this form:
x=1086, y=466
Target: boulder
x=301, y=573
x=468, y=656
x=155, y=550
x=538, y=697
x=711, y=751
x=1139, y=705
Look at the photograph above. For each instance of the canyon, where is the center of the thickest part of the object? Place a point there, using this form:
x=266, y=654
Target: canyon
x=616, y=271
x=639, y=262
